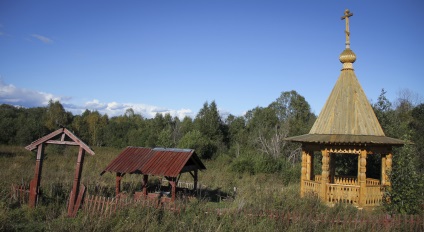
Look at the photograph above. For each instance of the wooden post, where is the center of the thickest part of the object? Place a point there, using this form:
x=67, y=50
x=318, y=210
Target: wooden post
x=362, y=178
x=174, y=187
x=77, y=180
x=195, y=177
x=383, y=174
x=118, y=184
x=308, y=166
x=388, y=168
x=325, y=174
x=35, y=183
x=303, y=175
x=144, y=184
x=311, y=154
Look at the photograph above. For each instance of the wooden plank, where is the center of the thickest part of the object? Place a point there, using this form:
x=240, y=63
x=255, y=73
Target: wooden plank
x=70, y=143
x=77, y=140
x=41, y=140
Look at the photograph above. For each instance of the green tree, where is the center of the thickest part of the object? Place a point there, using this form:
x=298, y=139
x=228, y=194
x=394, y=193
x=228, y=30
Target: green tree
x=56, y=116
x=417, y=129
x=292, y=109
x=406, y=194
x=209, y=123
x=197, y=141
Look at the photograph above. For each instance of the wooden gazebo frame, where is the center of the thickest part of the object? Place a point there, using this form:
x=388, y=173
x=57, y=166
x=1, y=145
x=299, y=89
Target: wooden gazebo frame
x=61, y=136
x=169, y=163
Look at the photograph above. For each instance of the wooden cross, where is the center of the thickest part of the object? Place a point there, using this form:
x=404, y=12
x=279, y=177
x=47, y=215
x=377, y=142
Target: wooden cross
x=346, y=16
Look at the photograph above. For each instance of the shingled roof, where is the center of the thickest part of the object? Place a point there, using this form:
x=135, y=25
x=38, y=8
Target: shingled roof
x=347, y=116
x=158, y=161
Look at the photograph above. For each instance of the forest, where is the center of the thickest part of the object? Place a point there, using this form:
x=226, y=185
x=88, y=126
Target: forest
x=247, y=146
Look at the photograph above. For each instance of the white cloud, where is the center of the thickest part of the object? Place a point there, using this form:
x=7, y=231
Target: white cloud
x=42, y=38
x=95, y=105
x=9, y=94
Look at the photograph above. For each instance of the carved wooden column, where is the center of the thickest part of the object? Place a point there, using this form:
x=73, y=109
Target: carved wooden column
x=308, y=165
x=383, y=170
x=362, y=178
x=303, y=174
x=389, y=161
x=35, y=182
x=312, y=171
x=325, y=174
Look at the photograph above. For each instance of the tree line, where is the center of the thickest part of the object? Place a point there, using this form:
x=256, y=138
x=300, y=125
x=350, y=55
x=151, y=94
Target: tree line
x=251, y=143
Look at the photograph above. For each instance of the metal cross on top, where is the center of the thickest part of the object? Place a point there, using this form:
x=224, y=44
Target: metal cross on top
x=346, y=16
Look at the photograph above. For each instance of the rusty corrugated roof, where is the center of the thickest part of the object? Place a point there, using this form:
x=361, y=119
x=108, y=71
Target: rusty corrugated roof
x=157, y=161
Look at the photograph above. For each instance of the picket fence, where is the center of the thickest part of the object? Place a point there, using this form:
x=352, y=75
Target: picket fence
x=20, y=193
x=106, y=206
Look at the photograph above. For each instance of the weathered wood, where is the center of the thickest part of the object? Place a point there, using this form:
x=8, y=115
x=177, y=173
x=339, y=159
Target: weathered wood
x=79, y=200
x=35, y=183
x=77, y=180
x=70, y=143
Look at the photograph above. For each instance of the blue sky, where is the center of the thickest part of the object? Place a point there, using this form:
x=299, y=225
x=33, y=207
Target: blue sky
x=172, y=56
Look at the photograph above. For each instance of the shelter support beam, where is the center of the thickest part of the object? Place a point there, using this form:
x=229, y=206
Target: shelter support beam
x=77, y=181
x=195, y=177
x=35, y=183
x=118, y=184
x=362, y=177
x=144, y=184
x=173, y=183
x=325, y=174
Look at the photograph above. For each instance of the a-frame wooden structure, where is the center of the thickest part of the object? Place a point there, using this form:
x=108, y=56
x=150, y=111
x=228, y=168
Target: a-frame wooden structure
x=61, y=136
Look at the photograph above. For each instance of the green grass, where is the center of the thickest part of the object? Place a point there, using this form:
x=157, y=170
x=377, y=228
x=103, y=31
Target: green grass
x=255, y=193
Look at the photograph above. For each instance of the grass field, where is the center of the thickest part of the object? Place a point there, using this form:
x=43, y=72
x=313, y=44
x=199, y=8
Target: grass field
x=255, y=193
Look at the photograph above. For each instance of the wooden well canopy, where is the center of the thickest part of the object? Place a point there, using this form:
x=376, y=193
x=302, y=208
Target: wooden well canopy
x=346, y=125
x=61, y=136
x=167, y=162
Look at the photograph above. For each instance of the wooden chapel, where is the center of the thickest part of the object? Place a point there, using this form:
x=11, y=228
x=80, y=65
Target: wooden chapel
x=346, y=126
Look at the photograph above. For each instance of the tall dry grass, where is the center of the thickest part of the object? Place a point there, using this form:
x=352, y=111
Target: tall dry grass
x=239, y=195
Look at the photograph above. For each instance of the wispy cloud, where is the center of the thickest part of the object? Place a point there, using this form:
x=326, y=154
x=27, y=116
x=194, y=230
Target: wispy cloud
x=9, y=94
x=42, y=38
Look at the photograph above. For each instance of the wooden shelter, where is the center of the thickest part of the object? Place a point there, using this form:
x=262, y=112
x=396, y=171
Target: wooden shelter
x=346, y=126
x=61, y=136
x=169, y=163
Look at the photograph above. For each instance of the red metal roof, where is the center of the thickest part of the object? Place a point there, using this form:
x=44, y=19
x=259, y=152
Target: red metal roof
x=157, y=161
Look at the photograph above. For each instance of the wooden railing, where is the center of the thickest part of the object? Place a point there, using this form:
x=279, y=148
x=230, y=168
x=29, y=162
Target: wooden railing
x=374, y=196
x=349, y=180
x=373, y=182
x=345, y=180
x=343, y=193
x=312, y=186
x=182, y=184
x=318, y=178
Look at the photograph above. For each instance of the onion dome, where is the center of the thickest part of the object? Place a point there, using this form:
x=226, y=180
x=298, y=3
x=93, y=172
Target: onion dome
x=347, y=56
